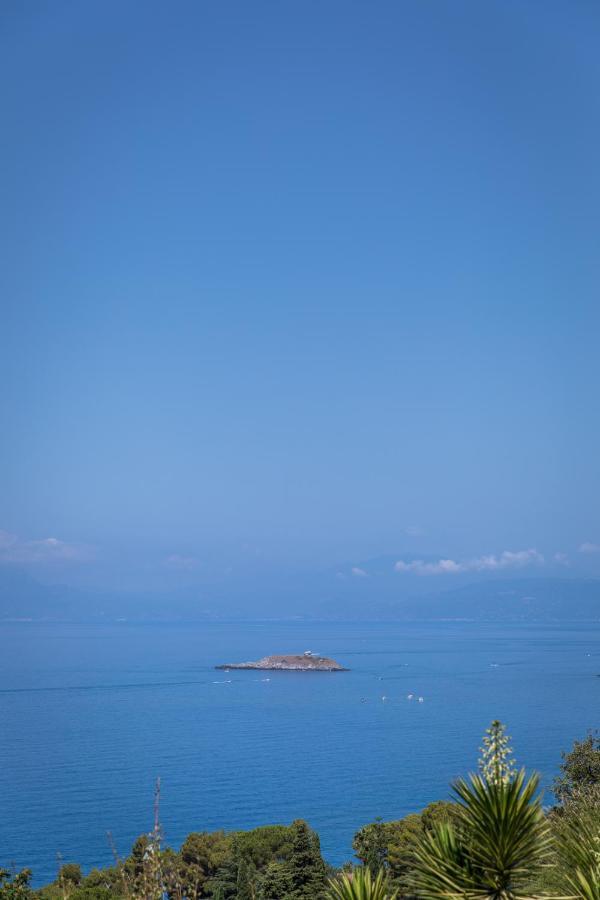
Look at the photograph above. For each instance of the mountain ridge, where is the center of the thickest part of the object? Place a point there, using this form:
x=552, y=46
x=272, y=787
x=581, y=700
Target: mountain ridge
x=532, y=598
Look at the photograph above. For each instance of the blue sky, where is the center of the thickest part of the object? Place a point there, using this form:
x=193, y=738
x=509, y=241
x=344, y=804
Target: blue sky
x=299, y=282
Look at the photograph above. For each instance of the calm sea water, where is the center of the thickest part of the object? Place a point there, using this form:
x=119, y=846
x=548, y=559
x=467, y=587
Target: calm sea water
x=90, y=715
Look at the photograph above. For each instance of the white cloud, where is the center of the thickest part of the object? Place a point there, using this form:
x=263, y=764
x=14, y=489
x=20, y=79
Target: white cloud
x=183, y=563
x=419, y=567
x=45, y=550
x=358, y=572
x=562, y=559
x=588, y=547
x=508, y=559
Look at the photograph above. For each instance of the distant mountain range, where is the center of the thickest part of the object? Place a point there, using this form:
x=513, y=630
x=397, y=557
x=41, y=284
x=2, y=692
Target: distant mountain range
x=531, y=599
x=323, y=595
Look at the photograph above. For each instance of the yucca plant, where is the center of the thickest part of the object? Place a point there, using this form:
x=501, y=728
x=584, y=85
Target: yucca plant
x=500, y=842
x=579, y=853
x=360, y=885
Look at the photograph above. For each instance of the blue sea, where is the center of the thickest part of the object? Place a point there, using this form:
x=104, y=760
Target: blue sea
x=90, y=715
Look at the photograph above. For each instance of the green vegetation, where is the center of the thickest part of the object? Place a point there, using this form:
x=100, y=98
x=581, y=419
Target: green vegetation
x=15, y=887
x=494, y=841
x=360, y=885
x=500, y=841
x=391, y=846
x=580, y=770
x=575, y=823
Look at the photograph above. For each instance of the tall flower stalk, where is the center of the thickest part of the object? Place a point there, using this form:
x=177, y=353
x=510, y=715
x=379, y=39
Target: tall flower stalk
x=496, y=763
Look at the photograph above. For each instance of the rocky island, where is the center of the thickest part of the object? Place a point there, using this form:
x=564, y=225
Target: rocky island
x=297, y=662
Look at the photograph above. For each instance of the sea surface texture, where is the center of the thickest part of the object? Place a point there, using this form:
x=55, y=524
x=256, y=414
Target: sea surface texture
x=90, y=715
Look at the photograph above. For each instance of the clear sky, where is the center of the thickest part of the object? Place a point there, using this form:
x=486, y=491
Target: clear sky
x=307, y=281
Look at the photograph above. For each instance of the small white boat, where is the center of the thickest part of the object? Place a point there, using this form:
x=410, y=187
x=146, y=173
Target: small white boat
x=421, y=700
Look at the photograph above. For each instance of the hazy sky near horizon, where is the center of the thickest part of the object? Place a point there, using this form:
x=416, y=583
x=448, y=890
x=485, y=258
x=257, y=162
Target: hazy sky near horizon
x=310, y=281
